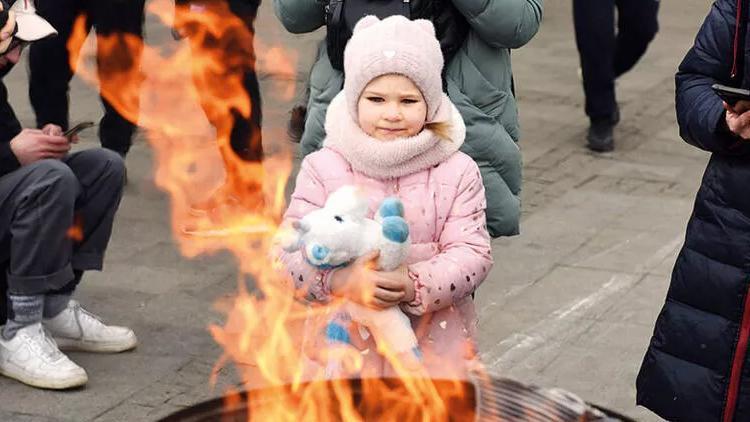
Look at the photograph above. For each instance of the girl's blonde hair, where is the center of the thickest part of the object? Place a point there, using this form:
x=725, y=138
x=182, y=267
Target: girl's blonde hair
x=441, y=129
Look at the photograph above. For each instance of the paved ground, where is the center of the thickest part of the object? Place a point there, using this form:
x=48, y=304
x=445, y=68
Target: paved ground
x=571, y=302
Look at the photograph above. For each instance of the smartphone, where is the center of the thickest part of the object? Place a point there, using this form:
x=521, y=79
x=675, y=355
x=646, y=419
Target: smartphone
x=76, y=129
x=731, y=95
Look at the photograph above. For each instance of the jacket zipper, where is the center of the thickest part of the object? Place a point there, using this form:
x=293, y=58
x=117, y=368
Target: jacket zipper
x=739, y=358
x=736, y=43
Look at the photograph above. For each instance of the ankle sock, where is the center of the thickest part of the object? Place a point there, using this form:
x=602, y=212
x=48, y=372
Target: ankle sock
x=23, y=311
x=54, y=304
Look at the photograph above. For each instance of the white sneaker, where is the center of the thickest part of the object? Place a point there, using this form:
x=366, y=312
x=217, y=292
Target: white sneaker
x=33, y=358
x=78, y=329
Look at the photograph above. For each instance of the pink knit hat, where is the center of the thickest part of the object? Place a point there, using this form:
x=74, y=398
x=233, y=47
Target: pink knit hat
x=395, y=45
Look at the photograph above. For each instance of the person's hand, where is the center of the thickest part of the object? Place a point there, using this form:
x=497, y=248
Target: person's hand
x=740, y=106
x=354, y=281
x=52, y=129
x=33, y=145
x=55, y=130
x=738, y=118
x=397, y=280
x=361, y=283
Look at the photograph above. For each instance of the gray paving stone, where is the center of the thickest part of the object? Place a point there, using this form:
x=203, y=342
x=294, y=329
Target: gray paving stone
x=625, y=250
x=125, y=412
x=112, y=379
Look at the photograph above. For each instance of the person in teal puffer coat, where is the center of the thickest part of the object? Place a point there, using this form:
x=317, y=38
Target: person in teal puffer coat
x=479, y=81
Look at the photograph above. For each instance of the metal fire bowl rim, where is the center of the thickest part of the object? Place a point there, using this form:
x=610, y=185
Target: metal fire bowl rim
x=487, y=396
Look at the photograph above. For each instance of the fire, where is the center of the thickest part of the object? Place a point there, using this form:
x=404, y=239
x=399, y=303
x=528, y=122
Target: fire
x=75, y=232
x=264, y=329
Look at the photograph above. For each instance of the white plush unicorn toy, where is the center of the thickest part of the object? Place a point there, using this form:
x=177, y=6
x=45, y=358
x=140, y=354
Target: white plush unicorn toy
x=338, y=233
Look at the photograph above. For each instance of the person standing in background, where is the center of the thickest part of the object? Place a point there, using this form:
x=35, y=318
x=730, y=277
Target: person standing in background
x=607, y=54
x=51, y=72
x=233, y=46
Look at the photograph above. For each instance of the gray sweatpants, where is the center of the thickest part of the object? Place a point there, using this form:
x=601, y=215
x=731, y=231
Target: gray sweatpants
x=41, y=202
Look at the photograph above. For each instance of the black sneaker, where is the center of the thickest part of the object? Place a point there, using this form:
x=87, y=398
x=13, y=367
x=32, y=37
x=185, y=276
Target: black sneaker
x=600, y=137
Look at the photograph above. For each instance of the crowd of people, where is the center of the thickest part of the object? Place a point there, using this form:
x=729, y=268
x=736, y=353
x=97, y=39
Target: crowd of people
x=45, y=189
x=416, y=102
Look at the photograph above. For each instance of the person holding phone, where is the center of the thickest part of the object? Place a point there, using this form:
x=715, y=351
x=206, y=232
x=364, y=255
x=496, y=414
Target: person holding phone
x=697, y=366
x=56, y=215
x=233, y=46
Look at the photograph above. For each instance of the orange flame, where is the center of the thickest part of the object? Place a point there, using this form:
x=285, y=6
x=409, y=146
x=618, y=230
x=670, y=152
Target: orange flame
x=263, y=331
x=75, y=231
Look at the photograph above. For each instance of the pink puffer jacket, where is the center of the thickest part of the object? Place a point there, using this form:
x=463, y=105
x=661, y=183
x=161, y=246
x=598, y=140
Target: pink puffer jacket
x=450, y=250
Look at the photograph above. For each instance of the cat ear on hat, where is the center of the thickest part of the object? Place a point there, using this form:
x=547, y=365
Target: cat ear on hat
x=425, y=26
x=365, y=22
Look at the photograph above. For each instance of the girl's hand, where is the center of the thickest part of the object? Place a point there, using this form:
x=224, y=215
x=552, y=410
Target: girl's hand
x=354, y=281
x=361, y=283
x=738, y=118
x=397, y=280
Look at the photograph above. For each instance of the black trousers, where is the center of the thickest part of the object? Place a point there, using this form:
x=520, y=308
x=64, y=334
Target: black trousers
x=56, y=220
x=234, y=49
x=606, y=54
x=49, y=62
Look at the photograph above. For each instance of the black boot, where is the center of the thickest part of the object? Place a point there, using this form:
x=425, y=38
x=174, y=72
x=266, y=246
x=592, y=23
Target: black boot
x=600, y=137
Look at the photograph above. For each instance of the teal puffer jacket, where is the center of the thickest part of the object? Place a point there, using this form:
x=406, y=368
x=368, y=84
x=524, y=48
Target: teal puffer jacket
x=479, y=81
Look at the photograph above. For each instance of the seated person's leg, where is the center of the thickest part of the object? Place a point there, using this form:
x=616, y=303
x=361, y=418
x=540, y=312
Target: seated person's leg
x=36, y=211
x=101, y=174
x=4, y=304
x=4, y=257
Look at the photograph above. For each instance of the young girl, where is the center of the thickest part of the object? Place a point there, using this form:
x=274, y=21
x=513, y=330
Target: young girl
x=477, y=37
x=393, y=132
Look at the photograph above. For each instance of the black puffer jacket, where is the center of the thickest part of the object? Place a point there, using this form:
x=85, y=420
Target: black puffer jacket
x=697, y=367
x=450, y=25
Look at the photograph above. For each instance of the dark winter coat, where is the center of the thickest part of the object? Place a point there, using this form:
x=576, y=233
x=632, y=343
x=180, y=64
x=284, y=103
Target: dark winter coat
x=696, y=367
x=9, y=128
